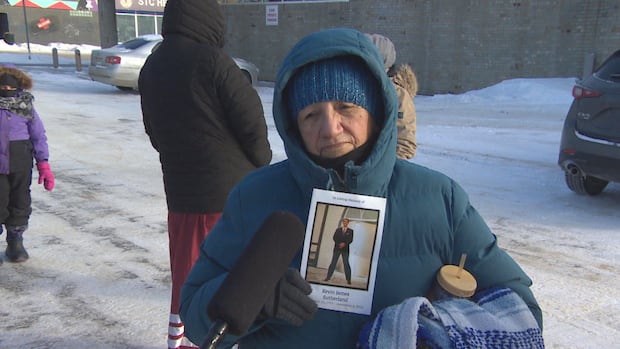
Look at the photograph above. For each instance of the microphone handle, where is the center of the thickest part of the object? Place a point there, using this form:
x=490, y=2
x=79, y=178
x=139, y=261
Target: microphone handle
x=215, y=335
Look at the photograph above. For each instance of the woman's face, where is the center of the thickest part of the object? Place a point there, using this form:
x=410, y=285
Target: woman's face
x=332, y=129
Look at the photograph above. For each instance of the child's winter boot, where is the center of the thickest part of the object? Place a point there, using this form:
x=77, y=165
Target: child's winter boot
x=15, y=250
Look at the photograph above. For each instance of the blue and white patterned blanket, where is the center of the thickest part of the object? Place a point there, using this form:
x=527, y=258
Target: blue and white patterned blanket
x=496, y=318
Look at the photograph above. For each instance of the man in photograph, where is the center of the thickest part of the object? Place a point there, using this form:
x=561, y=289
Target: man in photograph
x=343, y=237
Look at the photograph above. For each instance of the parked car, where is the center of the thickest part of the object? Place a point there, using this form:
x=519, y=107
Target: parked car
x=120, y=65
x=590, y=144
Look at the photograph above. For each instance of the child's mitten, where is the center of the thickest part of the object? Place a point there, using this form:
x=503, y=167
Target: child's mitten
x=45, y=175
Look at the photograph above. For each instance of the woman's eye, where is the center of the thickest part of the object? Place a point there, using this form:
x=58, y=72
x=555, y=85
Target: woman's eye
x=308, y=115
x=347, y=108
x=345, y=105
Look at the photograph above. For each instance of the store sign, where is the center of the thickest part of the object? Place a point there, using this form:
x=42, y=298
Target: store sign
x=141, y=5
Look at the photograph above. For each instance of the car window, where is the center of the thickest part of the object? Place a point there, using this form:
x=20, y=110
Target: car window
x=133, y=43
x=610, y=69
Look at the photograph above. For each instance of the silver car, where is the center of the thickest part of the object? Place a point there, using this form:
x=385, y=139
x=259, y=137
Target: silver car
x=120, y=65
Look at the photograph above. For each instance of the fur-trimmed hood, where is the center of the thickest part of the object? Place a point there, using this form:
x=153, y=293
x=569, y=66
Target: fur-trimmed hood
x=404, y=77
x=25, y=81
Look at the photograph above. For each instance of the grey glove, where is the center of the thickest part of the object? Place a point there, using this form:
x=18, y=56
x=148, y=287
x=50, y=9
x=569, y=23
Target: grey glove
x=290, y=301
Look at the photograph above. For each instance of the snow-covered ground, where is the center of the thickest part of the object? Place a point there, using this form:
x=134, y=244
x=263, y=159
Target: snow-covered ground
x=98, y=273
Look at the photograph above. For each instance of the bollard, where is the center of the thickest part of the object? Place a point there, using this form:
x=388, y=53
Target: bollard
x=78, y=60
x=55, y=57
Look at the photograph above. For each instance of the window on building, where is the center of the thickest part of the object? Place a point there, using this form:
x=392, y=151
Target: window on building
x=148, y=25
x=131, y=25
x=126, y=26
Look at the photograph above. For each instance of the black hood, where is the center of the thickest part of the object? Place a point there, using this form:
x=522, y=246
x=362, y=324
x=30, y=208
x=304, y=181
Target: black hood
x=199, y=20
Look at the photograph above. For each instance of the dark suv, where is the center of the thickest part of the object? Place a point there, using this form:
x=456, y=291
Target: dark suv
x=590, y=145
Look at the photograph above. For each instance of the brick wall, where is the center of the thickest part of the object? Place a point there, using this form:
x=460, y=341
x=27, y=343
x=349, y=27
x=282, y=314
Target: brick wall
x=453, y=46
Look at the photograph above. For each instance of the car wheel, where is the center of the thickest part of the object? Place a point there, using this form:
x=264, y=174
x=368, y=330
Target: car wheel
x=124, y=88
x=585, y=184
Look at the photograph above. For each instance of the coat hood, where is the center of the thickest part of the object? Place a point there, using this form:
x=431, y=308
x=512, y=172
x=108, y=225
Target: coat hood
x=405, y=78
x=25, y=81
x=199, y=20
x=373, y=175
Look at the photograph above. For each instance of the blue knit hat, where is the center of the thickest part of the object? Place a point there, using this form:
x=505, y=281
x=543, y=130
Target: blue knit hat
x=342, y=78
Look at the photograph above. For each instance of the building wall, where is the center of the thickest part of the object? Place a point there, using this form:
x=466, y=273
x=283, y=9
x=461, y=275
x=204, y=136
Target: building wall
x=453, y=46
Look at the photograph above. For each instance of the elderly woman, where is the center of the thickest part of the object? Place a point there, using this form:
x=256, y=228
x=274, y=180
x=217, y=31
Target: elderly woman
x=335, y=109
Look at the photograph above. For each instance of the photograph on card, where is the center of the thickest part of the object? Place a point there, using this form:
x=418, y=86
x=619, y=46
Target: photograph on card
x=341, y=249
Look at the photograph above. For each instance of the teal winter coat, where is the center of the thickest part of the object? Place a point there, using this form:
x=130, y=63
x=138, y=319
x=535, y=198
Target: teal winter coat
x=429, y=220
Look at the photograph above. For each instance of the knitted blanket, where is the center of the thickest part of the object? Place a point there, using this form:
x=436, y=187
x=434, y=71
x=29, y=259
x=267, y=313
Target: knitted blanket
x=497, y=318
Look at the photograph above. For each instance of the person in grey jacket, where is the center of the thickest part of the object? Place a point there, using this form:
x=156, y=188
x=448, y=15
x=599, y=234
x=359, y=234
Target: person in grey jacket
x=335, y=109
x=206, y=121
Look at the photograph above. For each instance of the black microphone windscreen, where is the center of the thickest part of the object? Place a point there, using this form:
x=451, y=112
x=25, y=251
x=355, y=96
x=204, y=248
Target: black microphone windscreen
x=254, y=276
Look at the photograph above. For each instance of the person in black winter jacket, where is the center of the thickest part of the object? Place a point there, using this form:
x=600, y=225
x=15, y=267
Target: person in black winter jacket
x=207, y=122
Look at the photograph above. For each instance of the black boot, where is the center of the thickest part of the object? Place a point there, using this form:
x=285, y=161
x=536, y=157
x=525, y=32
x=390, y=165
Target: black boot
x=15, y=250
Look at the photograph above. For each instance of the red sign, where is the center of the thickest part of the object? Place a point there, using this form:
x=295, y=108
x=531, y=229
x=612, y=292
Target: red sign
x=44, y=23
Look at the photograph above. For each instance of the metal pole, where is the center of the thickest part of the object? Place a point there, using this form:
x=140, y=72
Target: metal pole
x=55, y=57
x=26, y=25
x=78, y=60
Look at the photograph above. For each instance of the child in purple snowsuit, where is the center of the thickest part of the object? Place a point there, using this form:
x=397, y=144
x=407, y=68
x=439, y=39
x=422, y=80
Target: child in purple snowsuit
x=22, y=138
